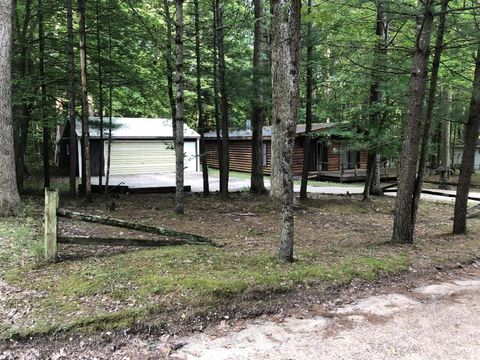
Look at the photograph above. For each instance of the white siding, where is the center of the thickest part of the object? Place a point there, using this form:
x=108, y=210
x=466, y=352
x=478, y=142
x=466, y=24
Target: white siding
x=141, y=157
x=457, y=157
x=191, y=158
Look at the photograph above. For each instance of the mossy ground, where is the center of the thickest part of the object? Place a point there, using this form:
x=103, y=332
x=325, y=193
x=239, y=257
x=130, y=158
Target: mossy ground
x=337, y=239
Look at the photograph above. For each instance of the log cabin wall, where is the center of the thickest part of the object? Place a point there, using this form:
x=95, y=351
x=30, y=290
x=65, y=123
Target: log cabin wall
x=241, y=155
x=333, y=156
x=240, y=152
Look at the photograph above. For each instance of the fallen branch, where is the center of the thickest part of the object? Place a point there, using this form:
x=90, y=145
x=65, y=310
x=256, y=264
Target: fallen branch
x=191, y=238
x=429, y=192
x=87, y=240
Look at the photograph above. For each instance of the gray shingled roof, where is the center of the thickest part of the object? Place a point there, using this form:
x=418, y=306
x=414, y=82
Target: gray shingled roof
x=267, y=131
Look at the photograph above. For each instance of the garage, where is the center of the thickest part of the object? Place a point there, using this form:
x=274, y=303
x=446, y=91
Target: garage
x=139, y=146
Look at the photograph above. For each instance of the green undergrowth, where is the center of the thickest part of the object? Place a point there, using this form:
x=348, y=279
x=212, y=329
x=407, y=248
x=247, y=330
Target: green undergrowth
x=74, y=294
x=159, y=287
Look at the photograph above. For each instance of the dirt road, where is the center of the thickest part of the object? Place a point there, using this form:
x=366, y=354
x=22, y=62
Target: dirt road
x=423, y=319
x=433, y=321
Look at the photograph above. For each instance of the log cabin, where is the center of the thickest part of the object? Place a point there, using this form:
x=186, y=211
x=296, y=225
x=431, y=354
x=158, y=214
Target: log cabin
x=327, y=156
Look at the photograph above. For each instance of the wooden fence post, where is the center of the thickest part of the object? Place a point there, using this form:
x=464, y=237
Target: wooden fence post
x=50, y=224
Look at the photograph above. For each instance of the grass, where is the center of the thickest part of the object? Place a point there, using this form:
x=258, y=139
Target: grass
x=338, y=239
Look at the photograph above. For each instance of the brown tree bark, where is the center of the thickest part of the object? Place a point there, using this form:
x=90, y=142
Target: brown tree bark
x=372, y=181
x=179, y=101
x=225, y=163
x=468, y=157
x=445, y=162
x=308, y=110
x=25, y=108
x=201, y=117
x=257, y=185
x=71, y=102
x=100, y=90
x=9, y=198
x=429, y=113
x=215, y=88
x=168, y=62
x=285, y=105
x=43, y=89
x=403, y=224
x=110, y=101
x=86, y=180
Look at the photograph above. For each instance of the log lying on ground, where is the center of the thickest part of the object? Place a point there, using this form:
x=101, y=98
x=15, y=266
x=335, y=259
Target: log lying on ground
x=92, y=240
x=188, y=238
x=438, y=193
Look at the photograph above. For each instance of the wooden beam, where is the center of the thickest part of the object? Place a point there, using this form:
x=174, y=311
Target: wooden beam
x=50, y=225
x=190, y=238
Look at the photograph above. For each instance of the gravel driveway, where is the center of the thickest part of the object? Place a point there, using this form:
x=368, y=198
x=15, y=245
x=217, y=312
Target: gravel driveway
x=433, y=321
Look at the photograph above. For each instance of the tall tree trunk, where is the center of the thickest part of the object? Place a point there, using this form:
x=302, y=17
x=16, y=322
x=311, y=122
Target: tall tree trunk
x=429, y=115
x=45, y=123
x=468, y=157
x=179, y=155
x=403, y=224
x=376, y=117
x=201, y=117
x=25, y=107
x=225, y=164
x=308, y=110
x=445, y=162
x=9, y=198
x=110, y=104
x=257, y=185
x=215, y=89
x=71, y=102
x=100, y=91
x=86, y=181
x=285, y=104
x=168, y=61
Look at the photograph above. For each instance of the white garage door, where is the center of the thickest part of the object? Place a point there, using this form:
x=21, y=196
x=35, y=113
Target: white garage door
x=141, y=157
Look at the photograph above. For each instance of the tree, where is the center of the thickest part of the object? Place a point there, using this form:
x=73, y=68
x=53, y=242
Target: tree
x=285, y=106
x=308, y=112
x=43, y=88
x=256, y=182
x=201, y=117
x=9, y=198
x=168, y=62
x=100, y=89
x=403, y=224
x=86, y=184
x=179, y=101
x=429, y=113
x=225, y=163
x=24, y=69
x=71, y=102
x=468, y=157
x=376, y=124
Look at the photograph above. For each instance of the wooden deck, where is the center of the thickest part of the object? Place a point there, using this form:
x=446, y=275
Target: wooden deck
x=352, y=175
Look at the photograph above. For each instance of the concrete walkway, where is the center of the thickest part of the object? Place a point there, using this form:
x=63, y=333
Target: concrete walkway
x=238, y=184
